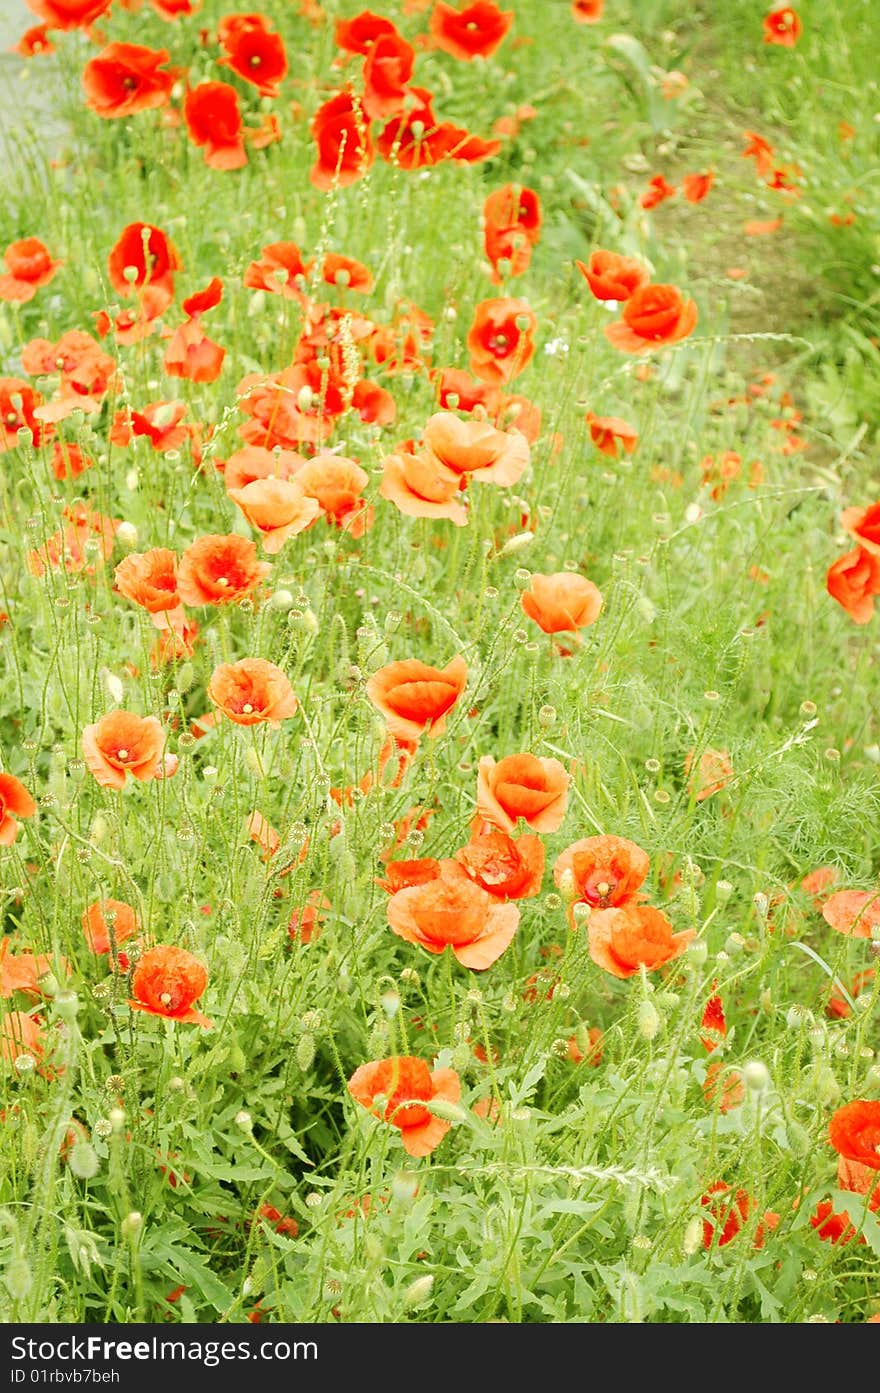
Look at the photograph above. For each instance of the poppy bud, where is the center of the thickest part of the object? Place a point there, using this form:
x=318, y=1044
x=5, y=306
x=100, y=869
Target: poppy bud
x=756, y=1076
x=127, y=535
x=83, y=1161
x=67, y=1004
x=244, y=1120
x=19, y=1278
x=404, y=1187
x=449, y=1112
x=419, y=1291
x=132, y=1224
x=693, y=1237
x=723, y=891
x=116, y=1118
x=649, y=1020
x=305, y=1053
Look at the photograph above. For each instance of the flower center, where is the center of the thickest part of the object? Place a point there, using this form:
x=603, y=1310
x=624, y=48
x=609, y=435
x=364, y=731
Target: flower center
x=222, y=582
x=122, y=754
x=165, y=998
x=129, y=84
x=247, y=708
x=499, y=342
x=255, y=60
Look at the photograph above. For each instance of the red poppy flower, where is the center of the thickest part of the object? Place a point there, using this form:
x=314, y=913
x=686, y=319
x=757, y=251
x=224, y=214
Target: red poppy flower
x=96, y=923
x=731, y=1215
x=832, y=1227
x=500, y=340
x=29, y=265
x=587, y=11
x=219, y=570
x=18, y=402
x=149, y=256
x=159, y=422
x=561, y=603
x=696, y=186
x=35, y=41
x=522, y=786
x=453, y=911
x=341, y=130
x=254, y=52
x=713, y=772
x=782, y=27
x=510, y=868
x=474, y=32
x=388, y=69
x=68, y=460
x=613, y=277
x=612, y=435
x=125, y=78
x=166, y=982
x=397, y=1089
x=347, y=273
x=23, y=972
x=414, y=698
x=252, y=691
x=21, y=1034
x=69, y=14
x=623, y=941
x=121, y=744
x=724, y=1087
x=658, y=191
x=359, y=34
x=15, y=802
x=853, y=912
x=864, y=525
x=280, y=270
x=213, y=120
x=417, y=140
x=713, y=1022
x=854, y=1132
x=149, y=579
x=607, y=871
x=653, y=316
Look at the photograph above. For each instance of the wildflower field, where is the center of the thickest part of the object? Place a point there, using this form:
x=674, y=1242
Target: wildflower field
x=439, y=537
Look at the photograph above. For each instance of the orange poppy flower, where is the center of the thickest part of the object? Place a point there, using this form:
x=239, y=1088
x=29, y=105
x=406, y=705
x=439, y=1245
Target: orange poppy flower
x=69, y=14
x=414, y=698
x=714, y=771
x=452, y=911
x=191, y=354
x=166, y=982
x=782, y=27
x=397, y=1089
x=347, y=273
x=29, y=265
x=474, y=32
x=66, y=548
x=853, y=912
x=613, y=277
x=341, y=130
x=159, y=421
x=522, y=786
x=254, y=52
x=15, y=802
x=277, y=508
x=624, y=940
x=253, y=462
x=68, y=460
x=730, y=1215
x=854, y=1132
x=864, y=525
x=510, y=868
x=696, y=186
x=213, y=120
x=21, y=1034
x=817, y=881
x=458, y=391
x=21, y=972
x=607, y=871
x=305, y=923
x=500, y=340
x=420, y=486
x=387, y=71
x=587, y=11
x=121, y=744
x=476, y=450
x=658, y=190
x=18, y=402
x=653, y=316
x=402, y=875
x=125, y=78
x=336, y=484
x=833, y=1227
x=218, y=570
x=251, y=691
x=713, y=1021
x=612, y=435
x=514, y=205
x=561, y=603
x=97, y=929
x=280, y=270
x=149, y=579
x=724, y=1087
